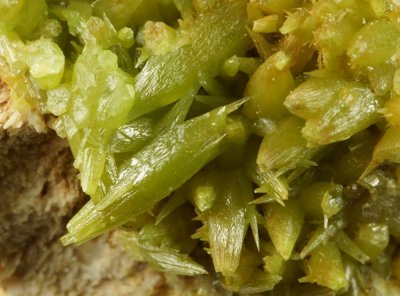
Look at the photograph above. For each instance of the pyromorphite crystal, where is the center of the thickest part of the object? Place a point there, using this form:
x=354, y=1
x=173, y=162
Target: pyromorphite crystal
x=325, y=267
x=334, y=108
x=284, y=225
x=206, y=42
x=255, y=140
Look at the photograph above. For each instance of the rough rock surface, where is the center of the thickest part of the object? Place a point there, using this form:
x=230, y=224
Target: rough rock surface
x=39, y=192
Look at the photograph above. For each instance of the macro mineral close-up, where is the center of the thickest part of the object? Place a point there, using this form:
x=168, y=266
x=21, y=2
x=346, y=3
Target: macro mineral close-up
x=200, y=147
